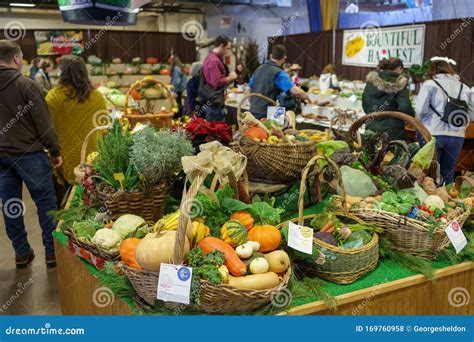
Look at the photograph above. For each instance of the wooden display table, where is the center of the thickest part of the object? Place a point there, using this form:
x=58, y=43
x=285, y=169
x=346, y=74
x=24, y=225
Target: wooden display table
x=415, y=295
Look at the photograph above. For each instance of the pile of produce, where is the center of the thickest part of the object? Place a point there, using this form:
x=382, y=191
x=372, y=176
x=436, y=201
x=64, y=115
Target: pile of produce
x=230, y=242
x=272, y=132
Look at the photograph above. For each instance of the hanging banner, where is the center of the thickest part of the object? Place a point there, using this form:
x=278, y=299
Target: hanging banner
x=367, y=47
x=59, y=42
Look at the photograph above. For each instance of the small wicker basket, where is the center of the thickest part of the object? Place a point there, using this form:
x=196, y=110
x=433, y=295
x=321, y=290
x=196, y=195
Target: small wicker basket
x=157, y=118
x=273, y=163
x=147, y=204
x=340, y=265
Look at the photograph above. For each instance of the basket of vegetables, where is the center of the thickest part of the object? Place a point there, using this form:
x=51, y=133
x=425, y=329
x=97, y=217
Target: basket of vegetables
x=429, y=167
x=414, y=219
x=150, y=100
x=235, y=257
x=345, y=247
x=103, y=240
x=275, y=154
x=130, y=172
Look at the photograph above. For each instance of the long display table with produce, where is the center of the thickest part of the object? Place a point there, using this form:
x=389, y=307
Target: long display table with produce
x=391, y=289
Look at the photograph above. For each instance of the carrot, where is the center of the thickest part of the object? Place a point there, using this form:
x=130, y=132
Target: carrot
x=330, y=230
x=327, y=226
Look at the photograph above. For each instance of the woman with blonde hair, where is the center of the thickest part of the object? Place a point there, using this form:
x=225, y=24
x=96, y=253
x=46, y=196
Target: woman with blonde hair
x=76, y=108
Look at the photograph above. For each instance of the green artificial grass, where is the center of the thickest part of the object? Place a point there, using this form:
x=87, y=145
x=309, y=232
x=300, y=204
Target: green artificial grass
x=303, y=291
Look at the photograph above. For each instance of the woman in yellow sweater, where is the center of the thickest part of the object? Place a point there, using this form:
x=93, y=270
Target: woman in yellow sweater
x=75, y=107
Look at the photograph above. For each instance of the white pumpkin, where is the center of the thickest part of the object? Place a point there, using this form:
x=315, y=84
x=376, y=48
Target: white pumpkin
x=259, y=265
x=157, y=248
x=244, y=251
x=255, y=245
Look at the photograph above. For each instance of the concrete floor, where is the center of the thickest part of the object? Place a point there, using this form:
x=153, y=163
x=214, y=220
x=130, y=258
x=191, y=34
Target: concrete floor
x=33, y=290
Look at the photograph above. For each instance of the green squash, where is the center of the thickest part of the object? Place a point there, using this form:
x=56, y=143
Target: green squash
x=234, y=233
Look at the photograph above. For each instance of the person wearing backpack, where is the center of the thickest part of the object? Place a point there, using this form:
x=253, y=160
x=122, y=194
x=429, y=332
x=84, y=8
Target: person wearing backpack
x=445, y=107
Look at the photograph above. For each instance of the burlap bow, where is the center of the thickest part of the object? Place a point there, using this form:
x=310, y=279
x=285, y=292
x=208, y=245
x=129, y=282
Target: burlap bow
x=214, y=157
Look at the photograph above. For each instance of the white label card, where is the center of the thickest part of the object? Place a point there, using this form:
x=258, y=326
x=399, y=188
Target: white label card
x=174, y=283
x=300, y=238
x=277, y=114
x=456, y=235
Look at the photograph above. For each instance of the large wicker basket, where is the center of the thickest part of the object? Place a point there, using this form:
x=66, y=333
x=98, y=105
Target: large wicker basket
x=273, y=163
x=157, y=118
x=216, y=299
x=353, y=134
x=339, y=265
x=147, y=204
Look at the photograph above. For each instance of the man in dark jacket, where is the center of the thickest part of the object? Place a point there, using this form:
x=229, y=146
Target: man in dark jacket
x=386, y=90
x=25, y=132
x=271, y=80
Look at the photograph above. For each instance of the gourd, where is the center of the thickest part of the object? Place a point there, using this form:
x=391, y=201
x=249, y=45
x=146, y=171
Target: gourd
x=256, y=133
x=128, y=248
x=255, y=245
x=268, y=236
x=224, y=271
x=234, y=233
x=259, y=265
x=232, y=261
x=151, y=93
x=157, y=248
x=244, y=251
x=262, y=281
x=200, y=231
x=243, y=217
x=278, y=261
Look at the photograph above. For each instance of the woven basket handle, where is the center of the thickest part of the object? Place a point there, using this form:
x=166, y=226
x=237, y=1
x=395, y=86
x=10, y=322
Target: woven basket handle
x=186, y=208
x=242, y=185
x=460, y=179
x=304, y=176
x=87, y=139
x=291, y=119
x=411, y=121
x=139, y=82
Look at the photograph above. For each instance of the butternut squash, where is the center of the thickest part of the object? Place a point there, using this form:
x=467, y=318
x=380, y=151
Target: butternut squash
x=232, y=261
x=261, y=281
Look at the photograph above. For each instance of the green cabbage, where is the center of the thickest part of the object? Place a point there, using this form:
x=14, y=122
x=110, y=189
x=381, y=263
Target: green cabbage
x=425, y=155
x=85, y=229
x=126, y=224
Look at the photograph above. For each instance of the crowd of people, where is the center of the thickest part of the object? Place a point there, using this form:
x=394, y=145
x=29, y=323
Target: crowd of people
x=36, y=116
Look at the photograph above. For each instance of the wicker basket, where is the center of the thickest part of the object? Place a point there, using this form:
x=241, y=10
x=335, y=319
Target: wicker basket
x=273, y=163
x=353, y=134
x=409, y=235
x=158, y=119
x=457, y=185
x=106, y=255
x=217, y=299
x=340, y=265
x=147, y=204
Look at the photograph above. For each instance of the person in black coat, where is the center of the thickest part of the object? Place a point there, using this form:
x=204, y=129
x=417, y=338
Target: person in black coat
x=192, y=106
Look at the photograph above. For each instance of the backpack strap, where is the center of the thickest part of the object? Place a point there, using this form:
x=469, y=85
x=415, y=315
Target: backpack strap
x=439, y=85
x=460, y=92
x=431, y=106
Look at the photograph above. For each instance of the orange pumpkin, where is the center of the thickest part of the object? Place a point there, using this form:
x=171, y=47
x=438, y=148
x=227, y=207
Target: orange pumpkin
x=256, y=133
x=135, y=94
x=152, y=60
x=165, y=72
x=128, y=247
x=243, y=217
x=268, y=236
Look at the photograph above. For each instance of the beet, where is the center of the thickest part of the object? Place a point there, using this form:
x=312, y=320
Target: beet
x=326, y=237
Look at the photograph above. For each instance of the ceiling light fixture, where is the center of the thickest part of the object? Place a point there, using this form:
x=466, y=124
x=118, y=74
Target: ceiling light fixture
x=20, y=4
